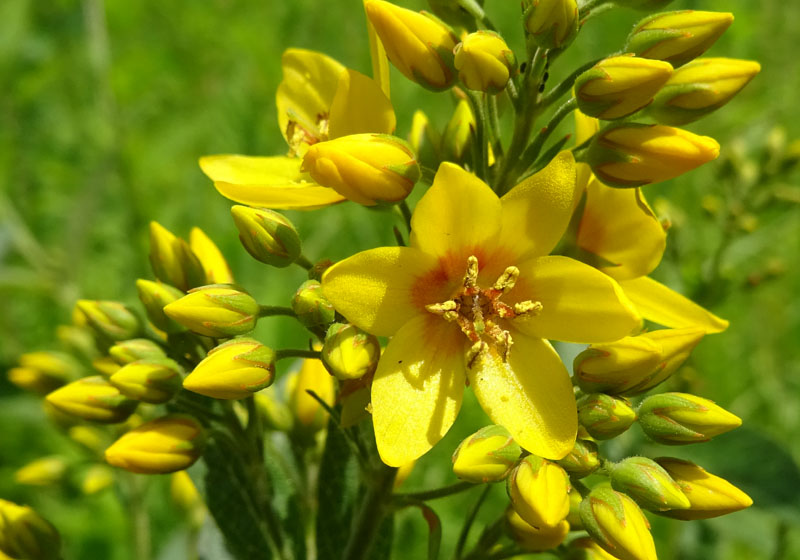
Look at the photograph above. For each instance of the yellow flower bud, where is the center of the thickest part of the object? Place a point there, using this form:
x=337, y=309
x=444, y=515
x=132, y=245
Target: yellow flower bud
x=585, y=548
x=94, y=399
x=152, y=381
x=488, y=455
x=349, y=352
x=484, y=61
x=648, y=484
x=583, y=460
x=155, y=296
x=128, y=351
x=535, y=539
x=631, y=155
x=574, y=515
x=678, y=418
x=218, y=311
x=211, y=258
x=233, y=370
x=106, y=365
x=553, y=23
x=42, y=372
x=168, y=444
x=634, y=364
x=425, y=140
x=185, y=494
x=366, y=168
x=96, y=478
x=419, y=45
x=457, y=136
x=173, y=261
x=604, y=416
x=90, y=437
x=539, y=491
x=25, y=534
x=617, y=524
x=78, y=340
x=309, y=416
x=619, y=86
x=311, y=306
x=701, y=87
x=268, y=236
x=110, y=319
x=42, y=472
x=709, y=495
x=677, y=37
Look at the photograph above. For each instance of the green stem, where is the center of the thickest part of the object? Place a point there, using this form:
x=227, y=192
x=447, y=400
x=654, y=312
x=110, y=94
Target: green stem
x=494, y=127
x=304, y=262
x=473, y=512
x=582, y=489
x=296, y=353
x=371, y=513
x=551, y=96
x=140, y=520
x=586, y=8
x=435, y=494
x=491, y=534
x=532, y=152
x=477, y=101
x=406, y=213
x=272, y=310
x=476, y=11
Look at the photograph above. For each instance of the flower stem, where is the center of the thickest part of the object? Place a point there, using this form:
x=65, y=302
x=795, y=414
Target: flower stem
x=371, y=513
x=304, y=262
x=435, y=494
x=551, y=96
x=473, y=512
x=532, y=152
x=296, y=353
x=272, y=310
x=406, y=213
x=477, y=101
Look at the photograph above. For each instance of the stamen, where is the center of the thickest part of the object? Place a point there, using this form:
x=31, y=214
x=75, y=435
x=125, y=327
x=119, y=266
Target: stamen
x=507, y=280
x=448, y=310
x=529, y=308
x=471, y=277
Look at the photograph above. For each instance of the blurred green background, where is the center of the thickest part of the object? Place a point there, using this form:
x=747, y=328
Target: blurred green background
x=105, y=108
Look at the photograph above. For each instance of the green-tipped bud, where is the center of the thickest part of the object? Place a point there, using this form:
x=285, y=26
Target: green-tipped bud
x=268, y=236
x=488, y=455
x=457, y=135
x=539, y=491
x=484, y=62
x=368, y=169
x=44, y=471
x=583, y=460
x=644, y=5
x=233, y=370
x=709, y=495
x=128, y=351
x=168, y=444
x=25, y=534
x=218, y=311
x=552, y=23
x=634, y=364
x=211, y=258
x=155, y=296
x=152, y=380
x=701, y=87
x=648, y=483
x=275, y=414
x=534, y=539
x=110, y=319
x=94, y=399
x=604, y=416
x=680, y=418
x=311, y=306
x=173, y=261
x=349, y=352
x=43, y=372
x=619, y=86
x=632, y=154
x=617, y=524
x=677, y=37
x=418, y=44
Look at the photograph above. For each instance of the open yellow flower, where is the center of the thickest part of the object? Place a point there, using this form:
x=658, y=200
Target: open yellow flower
x=471, y=300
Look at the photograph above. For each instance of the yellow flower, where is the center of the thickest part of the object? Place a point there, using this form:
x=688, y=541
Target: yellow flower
x=539, y=491
x=533, y=538
x=472, y=300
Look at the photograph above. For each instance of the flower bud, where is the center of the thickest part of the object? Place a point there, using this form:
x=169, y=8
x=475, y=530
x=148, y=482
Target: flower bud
x=701, y=87
x=309, y=415
x=585, y=548
x=25, y=534
x=648, y=484
x=268, y=236
x=173, y=261
x=424, y=140
x=632, y=155
x=419, y=45
x=43, y=372
x=275, y=414
x=152, y=381
x=539, y=491
x=619, y=86
x=110, y=319
x=709, y=495
x=552, y=23
x=583, y=460
x=128, y=351
x=486, y=456
x=532, y=538
x=349, y=352
x=168, y=444
x=96, y=478
x=233, y=370
x=185, y=494
x=366, y=168
x=457, y=136
x=106, y=365
x=218, y=311
x=211, y=258
x=634, y=364
x=484, y=62
x=42, y=472
x=604, y=416
x=679, y=418
x=155, y=296
x=617, y=524
x=78, y=341
x=94, y=399
x=574, y=515
x=677, y=37
x=311, y=306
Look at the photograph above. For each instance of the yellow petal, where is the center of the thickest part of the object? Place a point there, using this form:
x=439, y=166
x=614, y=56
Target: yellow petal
x=620, y=227
x=417, y=389
x=376, y=289
x=360, y=106
x=380, y=62
x=305, y=94
x=585, y=128
x=664, y=306
x=537, y=211
x=268, y=182
x=212, y=259
x=530, y=395
x=457, y=215
x=579, y=303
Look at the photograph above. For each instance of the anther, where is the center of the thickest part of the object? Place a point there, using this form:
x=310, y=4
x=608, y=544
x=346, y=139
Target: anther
x=507, y=280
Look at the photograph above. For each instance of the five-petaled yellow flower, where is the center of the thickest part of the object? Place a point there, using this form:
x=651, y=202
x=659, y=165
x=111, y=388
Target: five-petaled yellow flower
x=471, y=301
